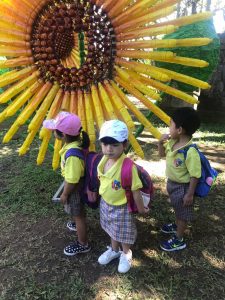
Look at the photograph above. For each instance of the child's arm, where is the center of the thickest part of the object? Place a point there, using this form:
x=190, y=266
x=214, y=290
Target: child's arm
x=193, y=164
x=161, y=148
x=139, y=202
x=68, y=189
x=189, y=196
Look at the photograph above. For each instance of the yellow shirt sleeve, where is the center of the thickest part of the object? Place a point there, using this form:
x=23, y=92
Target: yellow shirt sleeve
x=74, y=169
x=136, y=182
x=193, y=163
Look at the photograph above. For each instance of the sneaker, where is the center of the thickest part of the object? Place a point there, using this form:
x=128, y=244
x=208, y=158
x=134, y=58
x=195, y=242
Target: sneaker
x=71, y=226
x=169, y=228
x=108, y=256
x=76, y=248
x=125, y=262
x=173, y=244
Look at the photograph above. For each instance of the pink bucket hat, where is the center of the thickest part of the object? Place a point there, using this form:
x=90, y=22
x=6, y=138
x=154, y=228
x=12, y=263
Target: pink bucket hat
x=65, y=122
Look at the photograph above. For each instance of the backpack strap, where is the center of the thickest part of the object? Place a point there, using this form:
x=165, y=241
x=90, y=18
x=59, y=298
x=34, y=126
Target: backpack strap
x=92, y=161
x=126, y=174
x=126, y=180
x=95, y=156
x=75, y=152
x=185, y=150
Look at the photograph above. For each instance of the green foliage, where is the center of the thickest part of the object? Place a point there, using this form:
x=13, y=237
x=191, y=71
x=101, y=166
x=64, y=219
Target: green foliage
x=209, y=53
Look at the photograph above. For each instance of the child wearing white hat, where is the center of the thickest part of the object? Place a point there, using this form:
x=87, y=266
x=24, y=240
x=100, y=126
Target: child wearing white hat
x=115, y=218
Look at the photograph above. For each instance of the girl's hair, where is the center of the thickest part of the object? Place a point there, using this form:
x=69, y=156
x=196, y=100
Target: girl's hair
x=85, y=141
x=187, y=118
x=109, y=141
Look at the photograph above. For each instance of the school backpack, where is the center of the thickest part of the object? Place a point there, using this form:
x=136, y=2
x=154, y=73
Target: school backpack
x=208, y=174
x=89, y=190
x=126, y=183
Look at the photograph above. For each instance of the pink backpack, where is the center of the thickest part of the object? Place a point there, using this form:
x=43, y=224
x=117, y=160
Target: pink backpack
x=126, y=182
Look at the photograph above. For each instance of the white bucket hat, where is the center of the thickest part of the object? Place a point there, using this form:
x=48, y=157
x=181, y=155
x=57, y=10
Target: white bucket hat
x=115, y=129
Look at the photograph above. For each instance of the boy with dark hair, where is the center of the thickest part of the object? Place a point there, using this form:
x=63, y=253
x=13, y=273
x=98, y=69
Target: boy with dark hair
x=182, y=174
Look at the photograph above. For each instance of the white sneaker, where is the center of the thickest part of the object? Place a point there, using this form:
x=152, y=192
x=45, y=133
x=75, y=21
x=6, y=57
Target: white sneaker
x=108, y=256
x=125, y=262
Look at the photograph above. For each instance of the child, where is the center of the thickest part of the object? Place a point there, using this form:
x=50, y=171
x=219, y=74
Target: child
x=114, y=216
x=67, y=127
x=183, y=174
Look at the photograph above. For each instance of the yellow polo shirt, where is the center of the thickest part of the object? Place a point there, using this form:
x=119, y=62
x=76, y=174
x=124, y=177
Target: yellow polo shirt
x=73, y=168
x=110, y=182
x=178, y=168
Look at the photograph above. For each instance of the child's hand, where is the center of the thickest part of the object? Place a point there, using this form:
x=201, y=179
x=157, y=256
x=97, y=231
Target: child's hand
x=144, y=211
x=63, y=198
x=139, y=202
x=164, y=138
x=188, y=199
x=147, y=210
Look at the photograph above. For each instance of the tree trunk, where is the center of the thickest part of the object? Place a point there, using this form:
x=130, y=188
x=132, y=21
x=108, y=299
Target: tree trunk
x=194, y=7
x=208, y=5
x=178, y=10
x=212, y=102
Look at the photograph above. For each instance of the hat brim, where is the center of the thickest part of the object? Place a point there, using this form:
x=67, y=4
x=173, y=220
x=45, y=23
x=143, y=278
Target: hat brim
x=109, y=140
x=49, y=124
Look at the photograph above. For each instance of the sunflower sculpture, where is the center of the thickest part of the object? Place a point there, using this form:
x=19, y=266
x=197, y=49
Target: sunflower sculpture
x=85, y=57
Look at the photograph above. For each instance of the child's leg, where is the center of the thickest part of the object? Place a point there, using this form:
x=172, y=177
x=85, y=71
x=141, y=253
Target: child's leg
x=78, y=215
x=181, y=227
x=125, y=259
x=115, y=245
x=110, y=254
x=81, y=229
x=183, y=213
x=126, y=248
x=80, y=246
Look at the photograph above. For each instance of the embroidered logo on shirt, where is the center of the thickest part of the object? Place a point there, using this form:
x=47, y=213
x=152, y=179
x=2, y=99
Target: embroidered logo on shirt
x=178, y=162
x=116, y=185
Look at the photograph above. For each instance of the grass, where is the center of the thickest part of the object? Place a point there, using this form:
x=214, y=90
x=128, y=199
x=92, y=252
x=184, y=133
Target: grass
x=33, y=234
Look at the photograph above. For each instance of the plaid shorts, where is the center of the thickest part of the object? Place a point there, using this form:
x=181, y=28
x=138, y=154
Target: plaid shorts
x=118, y=222
x=176, y=193
x=76, y=205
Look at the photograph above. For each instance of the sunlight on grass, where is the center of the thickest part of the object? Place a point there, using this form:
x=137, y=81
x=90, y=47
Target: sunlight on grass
x=6, y=150
x=151, y=253
x=215, y=262
x=121, y=287
x=156, y=168
x=221, y=177
x=161, y=257
x=214, y=218
x=172, y=263
x=149, y=139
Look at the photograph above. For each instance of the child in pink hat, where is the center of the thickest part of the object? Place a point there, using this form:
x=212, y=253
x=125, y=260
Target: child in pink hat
x=67, y=127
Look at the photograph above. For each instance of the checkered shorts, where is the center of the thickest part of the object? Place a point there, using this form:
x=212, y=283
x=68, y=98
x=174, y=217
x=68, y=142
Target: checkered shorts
x=75, y=203
x=176, y=193
x=118, y=223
